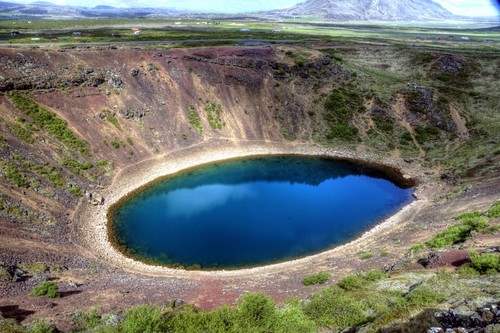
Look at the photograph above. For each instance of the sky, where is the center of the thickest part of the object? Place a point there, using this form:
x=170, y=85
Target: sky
x=459, y=7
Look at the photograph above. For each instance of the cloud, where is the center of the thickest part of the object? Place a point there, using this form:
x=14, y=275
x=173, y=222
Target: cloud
x=470, y=7
x=185, y=203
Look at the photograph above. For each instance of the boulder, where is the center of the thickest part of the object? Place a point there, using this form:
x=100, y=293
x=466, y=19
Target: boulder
x=454, y=258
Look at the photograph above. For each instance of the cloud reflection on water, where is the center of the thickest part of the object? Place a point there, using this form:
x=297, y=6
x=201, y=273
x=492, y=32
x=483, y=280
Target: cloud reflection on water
x=186, y=203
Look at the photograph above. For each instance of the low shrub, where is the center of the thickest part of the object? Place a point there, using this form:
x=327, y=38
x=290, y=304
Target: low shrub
x=195, y=120
x=494, y=211
x=336, y=309
x=143, y=319
x=41, y=326
x=318, y=278
x=459, y=233
x=424, y=296
x=49, y=121
x=86, y=320
x=486, y=262
x=214, y=113
x=365, y=255
x=46, y=288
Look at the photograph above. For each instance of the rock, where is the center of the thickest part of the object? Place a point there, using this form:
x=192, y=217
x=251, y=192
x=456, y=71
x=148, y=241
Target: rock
x=18, y=275
x=487, y=315
x=454, y=258
x=112, y=320
x=134, y=72
x=94, y=199
x=178, y=303
x=435, y=330
x=495, y=328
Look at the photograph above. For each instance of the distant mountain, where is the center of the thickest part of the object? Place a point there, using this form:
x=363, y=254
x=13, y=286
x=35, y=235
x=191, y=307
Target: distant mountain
x=44, y=9
x=327, y=10
x=367, y=10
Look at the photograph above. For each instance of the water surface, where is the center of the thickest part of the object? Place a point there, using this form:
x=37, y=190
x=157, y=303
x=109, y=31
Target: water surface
x=255, y=211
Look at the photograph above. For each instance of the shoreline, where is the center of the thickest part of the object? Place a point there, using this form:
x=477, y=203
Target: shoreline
x=93, y=221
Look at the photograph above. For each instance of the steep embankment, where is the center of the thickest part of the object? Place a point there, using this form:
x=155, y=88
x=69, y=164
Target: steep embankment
x=72, y=119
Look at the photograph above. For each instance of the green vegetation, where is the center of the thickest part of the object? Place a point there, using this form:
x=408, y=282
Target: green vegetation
x=358, y=281
x=214, y=112
x=340, y=107
x=112, y=119
x=77, y=167
x=49, y=122
x=46, y=288
x=195, y=120
x=116, y=143
x=494, y=211
x=12, y=173
x=459, y=233
x=34, y=268
x=41, y=327
x=485, y=263
x=21, y=132
x=318, y=278
x=365, y=255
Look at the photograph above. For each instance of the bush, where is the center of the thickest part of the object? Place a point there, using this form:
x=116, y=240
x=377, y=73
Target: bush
x=12, y=173
x=87, y=320
x=256, y=312
x=494, y=211
x=467, y=271
x=423, y=296
x=336, y=309
x=10, y=326
x=365, y=255
x=46, y=288
x=143, y=319
x=195, y=120
x=41, y=327
x=486, y=262
x=458, y=233
x=340, y=106
x=49, y=121
x=318, y=278
x=352, y=282
x=77, y=167
x=214, y=112
x=291, y=318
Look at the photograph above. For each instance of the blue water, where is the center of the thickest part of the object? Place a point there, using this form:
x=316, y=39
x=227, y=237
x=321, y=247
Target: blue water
x=255, y=211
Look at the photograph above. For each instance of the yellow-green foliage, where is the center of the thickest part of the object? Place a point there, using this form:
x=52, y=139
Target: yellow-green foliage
x=214, y=113
x=49, y=122
x=458, y=233
x=318, y=278
x=195, y=120
x=46, y=288
x=34, y=268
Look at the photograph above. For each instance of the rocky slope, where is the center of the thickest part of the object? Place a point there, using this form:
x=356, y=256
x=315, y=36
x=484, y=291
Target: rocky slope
x=366, y=10
x=73, y=118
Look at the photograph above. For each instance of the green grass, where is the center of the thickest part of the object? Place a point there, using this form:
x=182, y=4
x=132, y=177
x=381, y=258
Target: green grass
x=13, y=175
x=21, y=132
x=47, y=288
x=365, y=255
x=486, y=262
x=76, y=166
x=494, y=211
x=113, y=120
x=318, y=278
x=116, y=144
x=340, y=107
x=459, y=233
x=34, y=268
x=195, y=120
x=214, y=113
x=50, y=122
